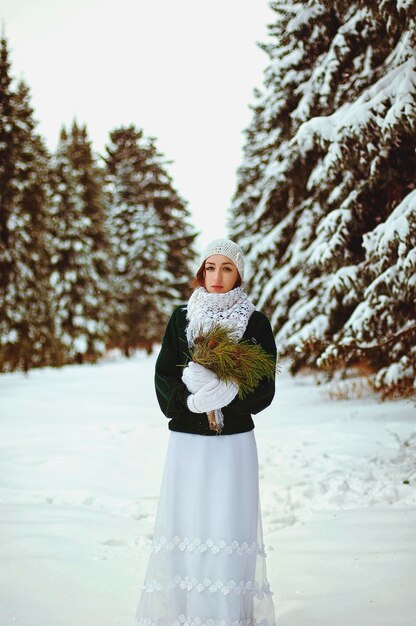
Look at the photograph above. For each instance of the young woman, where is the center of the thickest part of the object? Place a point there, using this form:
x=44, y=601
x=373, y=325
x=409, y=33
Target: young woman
x=207, y=565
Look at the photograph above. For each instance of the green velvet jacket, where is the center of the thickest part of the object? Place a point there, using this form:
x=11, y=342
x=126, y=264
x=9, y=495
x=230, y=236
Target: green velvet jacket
x=172, y=393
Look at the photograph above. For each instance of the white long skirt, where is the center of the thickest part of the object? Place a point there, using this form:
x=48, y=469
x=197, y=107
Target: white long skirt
x=207, y=565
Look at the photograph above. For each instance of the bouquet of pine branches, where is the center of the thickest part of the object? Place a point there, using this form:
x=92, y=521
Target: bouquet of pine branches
x=243, y=363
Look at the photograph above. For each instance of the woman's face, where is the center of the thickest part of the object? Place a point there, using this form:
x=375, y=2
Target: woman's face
x=220, y=274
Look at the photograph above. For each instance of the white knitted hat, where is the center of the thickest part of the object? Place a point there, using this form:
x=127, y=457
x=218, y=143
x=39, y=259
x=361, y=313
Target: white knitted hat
x=229, y=249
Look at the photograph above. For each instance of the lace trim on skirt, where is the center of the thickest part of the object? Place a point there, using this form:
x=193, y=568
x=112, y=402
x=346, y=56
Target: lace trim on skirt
x=163, y=543
x=191, y=582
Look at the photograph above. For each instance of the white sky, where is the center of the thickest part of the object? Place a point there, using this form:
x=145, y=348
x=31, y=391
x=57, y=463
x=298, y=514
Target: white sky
x=183, y=70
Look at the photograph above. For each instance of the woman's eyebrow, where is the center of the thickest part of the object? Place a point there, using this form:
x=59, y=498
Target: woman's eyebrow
x=212, y=263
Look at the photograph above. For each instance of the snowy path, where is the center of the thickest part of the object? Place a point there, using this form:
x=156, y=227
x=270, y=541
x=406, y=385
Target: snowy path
x=81, y=458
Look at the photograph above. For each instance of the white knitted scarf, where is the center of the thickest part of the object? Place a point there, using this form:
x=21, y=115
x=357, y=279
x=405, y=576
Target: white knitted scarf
x=232, y=309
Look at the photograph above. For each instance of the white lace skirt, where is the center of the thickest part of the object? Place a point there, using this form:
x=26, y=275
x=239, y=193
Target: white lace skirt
x=207, y=565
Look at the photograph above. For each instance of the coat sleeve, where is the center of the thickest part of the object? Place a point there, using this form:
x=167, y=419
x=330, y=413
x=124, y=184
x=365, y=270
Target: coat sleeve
x=170, y=390
x=261, y=332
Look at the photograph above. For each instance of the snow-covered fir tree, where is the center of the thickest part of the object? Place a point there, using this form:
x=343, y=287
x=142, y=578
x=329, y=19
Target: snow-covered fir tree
x=325, y=205
x=145, y=229
x=27, y=334
x=80, y=270
x=157, y=187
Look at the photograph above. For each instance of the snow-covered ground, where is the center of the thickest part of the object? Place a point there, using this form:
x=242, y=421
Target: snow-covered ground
x=81, y=458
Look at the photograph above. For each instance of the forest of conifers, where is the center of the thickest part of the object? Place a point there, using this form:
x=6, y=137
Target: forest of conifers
x=96, y=249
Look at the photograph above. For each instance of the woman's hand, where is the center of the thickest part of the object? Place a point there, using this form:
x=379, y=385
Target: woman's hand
x=213, y=395
x=195, y=376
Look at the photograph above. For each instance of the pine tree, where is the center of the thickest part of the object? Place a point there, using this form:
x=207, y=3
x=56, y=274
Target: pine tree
x=174, y=219
x=27, y=336
x=149, y=274
x=80, y=269
x=325, y=204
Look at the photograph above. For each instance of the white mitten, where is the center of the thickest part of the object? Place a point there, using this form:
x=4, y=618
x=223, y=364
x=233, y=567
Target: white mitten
x=195, y=376
x=214, y=395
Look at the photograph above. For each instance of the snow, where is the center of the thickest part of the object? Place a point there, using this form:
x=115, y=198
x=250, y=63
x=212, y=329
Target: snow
x=80, y=344
x=11, y=337
x=396, y=88
x=296, y=334
x=395, y=372
x=396, y=227
x=81, y=458
x=345, y=277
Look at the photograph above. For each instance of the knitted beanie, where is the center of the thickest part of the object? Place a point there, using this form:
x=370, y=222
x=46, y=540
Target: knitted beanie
x=227, y=248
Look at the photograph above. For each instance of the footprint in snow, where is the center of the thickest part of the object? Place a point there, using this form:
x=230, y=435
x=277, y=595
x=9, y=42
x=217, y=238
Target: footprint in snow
x=114, y=543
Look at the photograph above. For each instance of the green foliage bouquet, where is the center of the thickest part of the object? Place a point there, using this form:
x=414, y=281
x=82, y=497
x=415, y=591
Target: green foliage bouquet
x=243, y=363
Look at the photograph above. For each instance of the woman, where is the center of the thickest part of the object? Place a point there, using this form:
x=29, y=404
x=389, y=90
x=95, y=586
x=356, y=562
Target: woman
x=207, y=565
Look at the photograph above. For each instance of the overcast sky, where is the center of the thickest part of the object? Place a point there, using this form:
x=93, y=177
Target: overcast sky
x=183, y=70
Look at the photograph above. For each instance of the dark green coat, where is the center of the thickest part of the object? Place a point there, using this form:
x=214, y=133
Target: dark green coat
x=172, y=393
